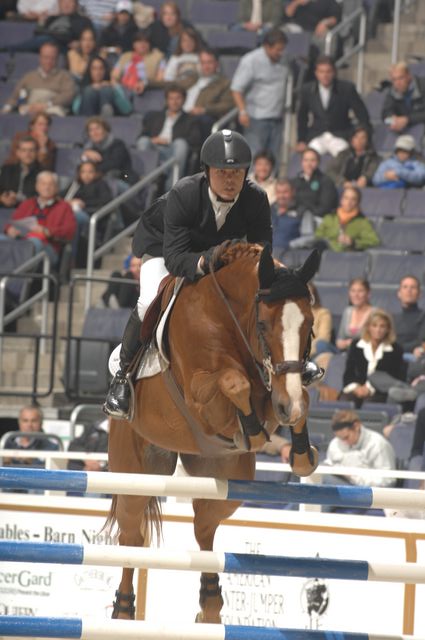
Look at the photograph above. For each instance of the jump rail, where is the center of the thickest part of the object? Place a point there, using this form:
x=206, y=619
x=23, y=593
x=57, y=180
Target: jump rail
x=25, y=626
x=211, y=488
x=211, y=561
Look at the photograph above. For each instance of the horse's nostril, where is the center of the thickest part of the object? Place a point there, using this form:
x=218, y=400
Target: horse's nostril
x=282, y=410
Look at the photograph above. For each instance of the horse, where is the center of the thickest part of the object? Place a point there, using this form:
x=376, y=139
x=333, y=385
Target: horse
x=238, y=342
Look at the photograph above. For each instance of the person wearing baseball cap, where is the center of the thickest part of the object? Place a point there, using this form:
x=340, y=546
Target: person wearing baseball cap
x=405, y=168
x=124, y=5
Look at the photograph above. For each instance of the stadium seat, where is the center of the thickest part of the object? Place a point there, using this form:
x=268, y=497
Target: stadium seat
x=13, y=32
x=4, y=152
x=157, y=4
x=415, y=464
x=5, y=66
x=333, y=299
x=5, y=92
x=389, y=408
x=151, y=100
x=13, y=253
x=335, y=371
x=413, y=205
x=390, y=267
x=294, y=164
x=69, y=130
x=385, y=297
x=67, y=161
x=11, y=123
x=384, y=139
x=291, y=257
x=382, y=203
x=126, y=128
x=401, y=438
x=228, y=65
x=374, y=102
x=214, y=12
x=298, y=45
x=22, y=63
x=232, y=42
x=417, y=68
x=144, y=162
x=420, y=403
x=402, y=234
x=342, y=267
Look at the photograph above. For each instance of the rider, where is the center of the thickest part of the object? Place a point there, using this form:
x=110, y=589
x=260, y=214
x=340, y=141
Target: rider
x=180, y=231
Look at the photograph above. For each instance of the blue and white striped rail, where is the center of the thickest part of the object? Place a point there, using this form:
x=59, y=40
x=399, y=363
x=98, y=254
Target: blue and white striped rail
x=94, y=629
x=210, y=561
x=210, y=488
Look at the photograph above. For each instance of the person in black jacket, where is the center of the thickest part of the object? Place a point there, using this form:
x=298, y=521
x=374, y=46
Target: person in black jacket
x=17, y=180
x=118, y=36
x=375, y=366
x=109, y=153
x=314, y=191
x=404, y=104
x=327, y=102
x=357, y=164
x=180, y=231
x=172, y=131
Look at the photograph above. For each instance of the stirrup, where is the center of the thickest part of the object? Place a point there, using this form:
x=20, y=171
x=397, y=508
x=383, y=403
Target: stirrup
x=117, y=413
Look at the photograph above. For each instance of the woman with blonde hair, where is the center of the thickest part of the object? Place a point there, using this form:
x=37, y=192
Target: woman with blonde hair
x=375, y=370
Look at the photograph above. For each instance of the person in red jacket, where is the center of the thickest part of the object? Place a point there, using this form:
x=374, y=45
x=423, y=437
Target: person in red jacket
x=46, y=220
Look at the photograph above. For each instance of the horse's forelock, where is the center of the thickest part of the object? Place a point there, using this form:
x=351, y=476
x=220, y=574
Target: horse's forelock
x=287, y=284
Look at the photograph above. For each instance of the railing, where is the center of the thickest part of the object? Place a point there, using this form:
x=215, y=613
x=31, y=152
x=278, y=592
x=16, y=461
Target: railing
x=358, y=48
x=40, y=339
x=93, y=409
x=230, y=115
x=92, y=252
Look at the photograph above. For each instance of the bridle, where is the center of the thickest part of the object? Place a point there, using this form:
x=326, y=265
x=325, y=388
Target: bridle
x=267, y=369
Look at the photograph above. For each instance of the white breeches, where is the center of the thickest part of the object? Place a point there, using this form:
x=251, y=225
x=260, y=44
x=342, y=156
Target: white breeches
x=151, y=274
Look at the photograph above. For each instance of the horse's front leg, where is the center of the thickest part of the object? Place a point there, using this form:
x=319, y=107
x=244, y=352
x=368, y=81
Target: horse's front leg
x=303, y=457
x=236, y=387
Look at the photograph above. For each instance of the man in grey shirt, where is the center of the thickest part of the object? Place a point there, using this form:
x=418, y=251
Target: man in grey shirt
x=259, y=88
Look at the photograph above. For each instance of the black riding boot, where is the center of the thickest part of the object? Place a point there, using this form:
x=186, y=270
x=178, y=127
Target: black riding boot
x=118, y=402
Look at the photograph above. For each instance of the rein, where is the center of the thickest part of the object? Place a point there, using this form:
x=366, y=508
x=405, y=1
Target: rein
x=268, y=369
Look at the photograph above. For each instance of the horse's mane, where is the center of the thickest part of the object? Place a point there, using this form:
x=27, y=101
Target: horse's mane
x=239, y=250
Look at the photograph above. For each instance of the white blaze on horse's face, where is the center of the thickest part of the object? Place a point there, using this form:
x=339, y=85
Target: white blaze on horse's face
x=292, y=321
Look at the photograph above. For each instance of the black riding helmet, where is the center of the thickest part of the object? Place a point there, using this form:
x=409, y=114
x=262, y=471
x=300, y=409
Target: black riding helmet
x=226, y=149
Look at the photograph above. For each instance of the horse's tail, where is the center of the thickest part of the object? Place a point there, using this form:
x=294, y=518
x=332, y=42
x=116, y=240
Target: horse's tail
x=152, y=522
x=112, y=516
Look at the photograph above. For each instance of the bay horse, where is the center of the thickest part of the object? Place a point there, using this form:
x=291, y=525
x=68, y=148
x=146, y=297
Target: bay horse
x=238, y=341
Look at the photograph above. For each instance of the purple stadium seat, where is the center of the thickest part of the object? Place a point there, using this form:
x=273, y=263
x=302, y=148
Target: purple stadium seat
x=382, y=203
x=156, y=4
x=417, y=68
x=413, y=206
x=342, y=267
x=144, y=162
x=223, y=41
x=5, y=91
x=11, y=123
x=151, y=100
x=68, y=130
x=390, y=267
x=22, y=63
x=67, y=160
x=5, y=66
x=294, y=164
x=214, y=12
x=126, y=128
x=228, y=65
x=14, y=32
x=374, y=102
x=402, y=234
x=384, y=139
x=298, y=45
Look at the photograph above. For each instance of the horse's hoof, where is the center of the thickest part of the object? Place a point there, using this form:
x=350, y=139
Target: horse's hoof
x=250, y=443
x=199, y=617
x=303, y=464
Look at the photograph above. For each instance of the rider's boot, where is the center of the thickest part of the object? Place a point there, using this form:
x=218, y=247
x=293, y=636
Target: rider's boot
x=119, y=400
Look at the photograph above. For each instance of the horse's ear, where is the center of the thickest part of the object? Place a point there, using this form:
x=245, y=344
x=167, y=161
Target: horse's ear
x=266, y=272
x=310, y=266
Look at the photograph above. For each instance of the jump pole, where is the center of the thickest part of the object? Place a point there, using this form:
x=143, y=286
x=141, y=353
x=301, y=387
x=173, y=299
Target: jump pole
x=93, y=629
x=210, y=561
x=210, y=488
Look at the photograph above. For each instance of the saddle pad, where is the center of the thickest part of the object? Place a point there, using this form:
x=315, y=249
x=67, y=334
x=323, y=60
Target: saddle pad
x=150, y=364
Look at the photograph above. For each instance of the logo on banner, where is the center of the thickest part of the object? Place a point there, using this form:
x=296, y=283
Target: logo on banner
x=94, y=580
x=315, y=601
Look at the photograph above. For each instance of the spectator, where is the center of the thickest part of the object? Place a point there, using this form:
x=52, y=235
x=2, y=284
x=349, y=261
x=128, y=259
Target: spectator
x=37, y=10
x=347, y=229
x=210, y=97
x=87, y=194
x=38, y=130
x=356, y=314
x=419, y=435
x=374, y=369
x=138, y=68
x=258, y=17
x=7, y=9
x=171, y=131
x=314, y=191
x=327, y=102
x=259, y=88
x=165, y=31
x=182, y=66
x=263, y=174
x=322, y=324
x=98, y=96
x=117, y=37
x=286, y=219
x=410, y=326
x=356, y=446
x=79, y=58
x=315, y=16
x=17, y=179
x=404, y=104
x=100, y=12
x=94, y=439
x=30, y=421
x=404, y=169
x=109, y=153
x=356, y=164
x=46, y=220
x=120, y=294
x=48, y=89
x=63, y=29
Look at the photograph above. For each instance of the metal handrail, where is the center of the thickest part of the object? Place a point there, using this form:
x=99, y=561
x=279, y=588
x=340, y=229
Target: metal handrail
x=218, y=124
x=92, y=252
x=358, y=48
x=79, y=408
x=396, y=31
x=32, y=435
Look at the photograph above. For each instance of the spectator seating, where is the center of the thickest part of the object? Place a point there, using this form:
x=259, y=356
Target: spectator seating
x=294, y=164
x=420, y=403
x=413, y=205
x=11, y=123
x=231, y=42
x=395, y=234
x=22, y=63
x=384, y=139
x=67, y=161
x=293, y=257
x=298, y=45
x=228, y=65
x=216, y=12
x=69, y=131
x=390, y=267
x=12, y=255
x=156, y=4
x=374, y=102
x=335, y=371
x=150, y=100
x=333, y=299
x=342, y=267
x=126, y=128
x=13, y=32
x=401, y=438
x=389, y=408
x=382, y=203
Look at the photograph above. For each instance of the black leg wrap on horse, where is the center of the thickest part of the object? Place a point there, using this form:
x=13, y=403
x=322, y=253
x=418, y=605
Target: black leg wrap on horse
x=251, y=424
x=300, y=445
x=210, y=587
x=129, y=608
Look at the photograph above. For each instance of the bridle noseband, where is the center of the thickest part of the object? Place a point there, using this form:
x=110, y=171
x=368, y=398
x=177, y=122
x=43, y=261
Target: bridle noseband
x=268, y=369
